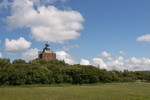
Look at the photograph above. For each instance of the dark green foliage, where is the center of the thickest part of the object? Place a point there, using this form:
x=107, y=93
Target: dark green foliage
x=143, y=75
x=4, y=62
x=40, y=71
x=19, y=61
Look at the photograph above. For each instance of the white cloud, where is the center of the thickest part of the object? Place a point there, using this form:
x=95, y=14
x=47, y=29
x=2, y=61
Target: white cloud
x=84, y=62
x=46, y=23
x=144, y=38
x=138, y=64
x=99, y=63
x=119, y=63
x=15, y=46
x=135, y=60
x=122, y=52
x=66, y=48
x=30, y=54
x=105, y=56
x=62, y=55
x=0, y=55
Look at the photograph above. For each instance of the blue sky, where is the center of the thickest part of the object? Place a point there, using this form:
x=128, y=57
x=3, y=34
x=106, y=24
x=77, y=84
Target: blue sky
x=95, y=32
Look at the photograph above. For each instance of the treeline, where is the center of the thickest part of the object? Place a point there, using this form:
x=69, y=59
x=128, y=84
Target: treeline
x=39, y=71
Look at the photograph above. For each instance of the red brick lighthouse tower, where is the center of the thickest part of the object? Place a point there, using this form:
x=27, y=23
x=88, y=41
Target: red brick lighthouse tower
x=47, y=54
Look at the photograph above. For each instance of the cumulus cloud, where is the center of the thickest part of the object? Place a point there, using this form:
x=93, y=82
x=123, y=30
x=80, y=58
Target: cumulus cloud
x=109, y=62
x=105, y=55
x=15, y=46
x=99, y=63
x=84, y=62
x=144, y=38
x=138, y=64
x=30, y=54
x=62, y=55
x=122, y=52
x=46, y=23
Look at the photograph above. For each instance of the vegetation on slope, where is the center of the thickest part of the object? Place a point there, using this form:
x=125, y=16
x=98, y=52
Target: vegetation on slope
x=39, y=71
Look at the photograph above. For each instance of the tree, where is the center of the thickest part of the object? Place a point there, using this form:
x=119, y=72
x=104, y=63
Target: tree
x=4, y=62
x=19, y=61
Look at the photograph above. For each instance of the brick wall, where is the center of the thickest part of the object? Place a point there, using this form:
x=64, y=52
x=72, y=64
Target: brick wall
x=48, y=56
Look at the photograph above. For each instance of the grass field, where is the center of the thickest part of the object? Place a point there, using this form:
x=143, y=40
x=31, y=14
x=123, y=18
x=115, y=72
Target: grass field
x=113, y=91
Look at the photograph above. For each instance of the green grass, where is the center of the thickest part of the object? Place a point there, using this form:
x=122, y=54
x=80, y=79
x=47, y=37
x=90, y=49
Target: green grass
x=113, y=91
